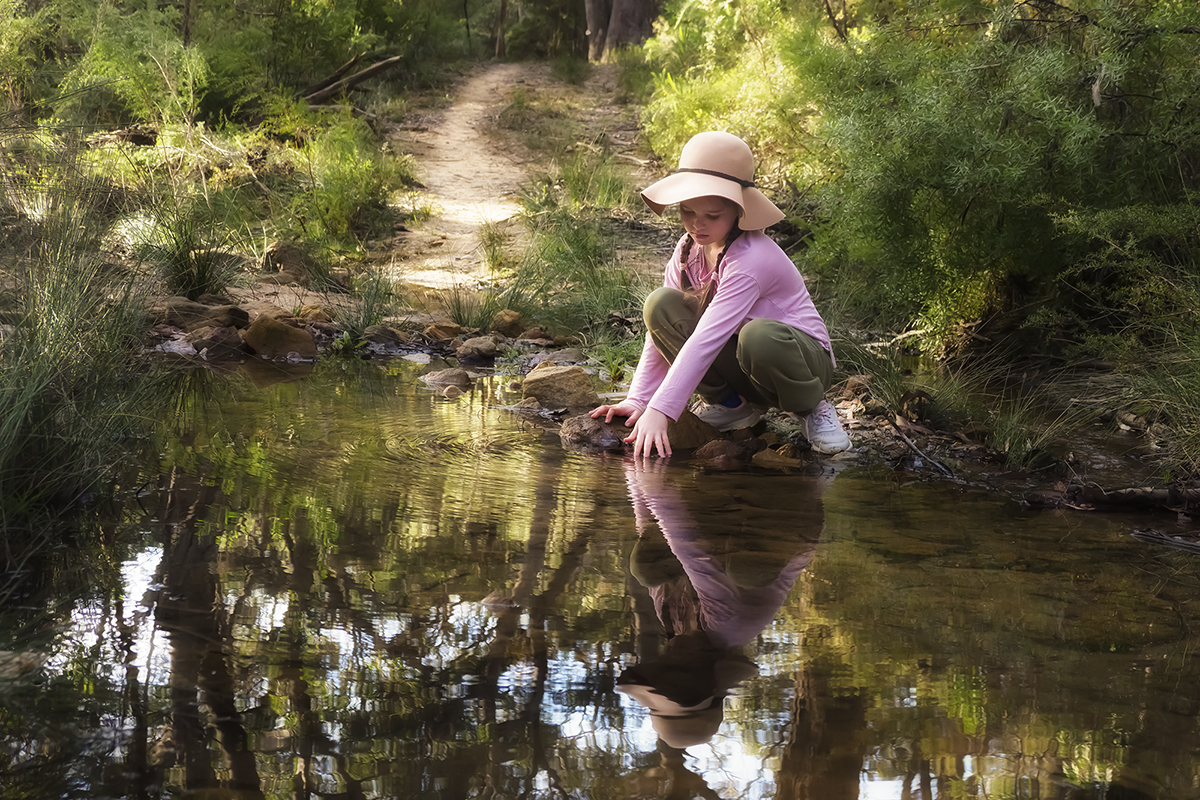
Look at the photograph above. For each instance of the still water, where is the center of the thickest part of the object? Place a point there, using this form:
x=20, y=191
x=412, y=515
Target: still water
x=347, y=585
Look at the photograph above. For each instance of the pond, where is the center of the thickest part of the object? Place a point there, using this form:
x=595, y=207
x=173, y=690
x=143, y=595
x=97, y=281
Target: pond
x=347, y=585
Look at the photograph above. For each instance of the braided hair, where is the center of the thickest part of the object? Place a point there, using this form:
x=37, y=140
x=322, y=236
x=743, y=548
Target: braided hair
x=685, y=254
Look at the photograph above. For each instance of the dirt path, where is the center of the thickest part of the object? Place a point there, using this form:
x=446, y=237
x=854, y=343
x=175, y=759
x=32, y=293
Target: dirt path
x=469, y=181
x=472, y=169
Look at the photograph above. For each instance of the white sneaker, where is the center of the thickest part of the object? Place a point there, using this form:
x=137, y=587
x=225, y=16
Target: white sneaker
x=824, y=430
x=728, y=419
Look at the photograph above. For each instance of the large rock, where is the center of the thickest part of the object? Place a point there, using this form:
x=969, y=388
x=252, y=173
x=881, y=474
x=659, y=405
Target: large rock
x=561, y=387
x=192, y=316
x=274, y=340
x=686, y=433
x=508, y=323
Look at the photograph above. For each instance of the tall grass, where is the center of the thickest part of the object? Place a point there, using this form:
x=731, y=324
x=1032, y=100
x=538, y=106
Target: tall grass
x=69, y=390
x=186, y=243
x=376, y=298
x=569, y=276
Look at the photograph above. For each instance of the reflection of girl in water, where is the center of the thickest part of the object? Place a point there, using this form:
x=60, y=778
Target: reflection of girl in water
x=711, y=601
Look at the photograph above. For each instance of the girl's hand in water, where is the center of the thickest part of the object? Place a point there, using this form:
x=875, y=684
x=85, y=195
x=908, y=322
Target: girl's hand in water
x=649, y=427
x=650, y=433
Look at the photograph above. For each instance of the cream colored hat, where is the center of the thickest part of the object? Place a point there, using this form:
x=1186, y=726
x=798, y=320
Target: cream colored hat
x=717, y=164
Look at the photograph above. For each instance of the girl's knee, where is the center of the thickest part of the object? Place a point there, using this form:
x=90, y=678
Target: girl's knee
x=758, y=337
x=662, y=306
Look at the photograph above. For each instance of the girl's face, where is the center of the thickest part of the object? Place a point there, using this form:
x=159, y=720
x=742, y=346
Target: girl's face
x=708, y=220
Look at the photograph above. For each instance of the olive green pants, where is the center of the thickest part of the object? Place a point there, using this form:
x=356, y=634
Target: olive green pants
x=768, y=362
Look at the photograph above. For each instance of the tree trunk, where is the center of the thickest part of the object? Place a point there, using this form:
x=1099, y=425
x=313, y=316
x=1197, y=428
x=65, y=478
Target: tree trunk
x=598, y=13
x=631, y=23
x=500, y=29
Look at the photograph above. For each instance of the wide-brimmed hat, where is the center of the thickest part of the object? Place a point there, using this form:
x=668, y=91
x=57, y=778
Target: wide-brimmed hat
x=715, y=164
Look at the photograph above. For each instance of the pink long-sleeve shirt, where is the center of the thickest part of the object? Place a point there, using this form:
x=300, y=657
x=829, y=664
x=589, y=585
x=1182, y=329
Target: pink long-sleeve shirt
x=757, y=280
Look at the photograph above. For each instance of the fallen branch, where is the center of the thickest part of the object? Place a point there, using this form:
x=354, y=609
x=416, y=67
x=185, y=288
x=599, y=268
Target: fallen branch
x=917, y=450
x=330, y=80
x=338, y=87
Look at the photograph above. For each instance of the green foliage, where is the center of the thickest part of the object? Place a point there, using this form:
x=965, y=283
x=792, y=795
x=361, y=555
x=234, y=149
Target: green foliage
x=18, y=35
x=351, y=183
x=1137, y=264
x=547, y=29
x=136, y=68
x=635, y=74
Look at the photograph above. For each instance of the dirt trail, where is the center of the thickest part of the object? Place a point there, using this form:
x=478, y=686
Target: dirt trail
x=469, y=181
x=472, y=169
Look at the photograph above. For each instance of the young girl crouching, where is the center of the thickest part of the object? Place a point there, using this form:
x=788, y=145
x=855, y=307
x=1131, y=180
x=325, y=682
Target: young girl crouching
x=733, y=321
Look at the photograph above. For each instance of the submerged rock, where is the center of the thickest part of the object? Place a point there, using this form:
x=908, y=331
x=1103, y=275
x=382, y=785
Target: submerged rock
x=593, y=434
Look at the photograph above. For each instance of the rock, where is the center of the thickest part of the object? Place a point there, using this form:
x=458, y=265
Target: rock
x=690, y=432
x=271, y=339
x=478, y=350
x=217, y=344
x=314, y=313
x=538, y=336
x=455, y=376
x=383, y=334
x=593, y=434
x=773, y=459
x=285, y=262
x=569, y=355
x=725, y=454
x=192, y=316
x=556, y=387
x=507, y=323
x=443, y=330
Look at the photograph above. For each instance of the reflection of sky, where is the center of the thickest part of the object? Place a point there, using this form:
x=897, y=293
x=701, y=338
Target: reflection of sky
x=92, y=627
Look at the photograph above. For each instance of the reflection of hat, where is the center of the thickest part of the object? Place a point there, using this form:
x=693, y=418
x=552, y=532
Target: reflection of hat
x=678, y=725
x=684, y=691
x=715, y=164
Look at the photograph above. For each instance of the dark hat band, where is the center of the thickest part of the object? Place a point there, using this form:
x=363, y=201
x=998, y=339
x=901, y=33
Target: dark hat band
x=715, y=174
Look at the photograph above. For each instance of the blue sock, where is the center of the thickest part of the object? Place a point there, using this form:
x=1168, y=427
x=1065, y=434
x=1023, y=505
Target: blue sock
x=732, y=400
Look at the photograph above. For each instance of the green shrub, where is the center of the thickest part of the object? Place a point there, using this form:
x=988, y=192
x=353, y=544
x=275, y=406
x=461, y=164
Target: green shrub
x=351, y=183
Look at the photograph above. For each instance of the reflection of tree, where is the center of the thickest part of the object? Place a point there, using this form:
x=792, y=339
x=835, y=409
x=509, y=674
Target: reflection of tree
x=826, y=746
x=524, y=596
x=191, y=611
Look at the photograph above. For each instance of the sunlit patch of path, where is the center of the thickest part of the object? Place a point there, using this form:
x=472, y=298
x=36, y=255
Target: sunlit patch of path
x=470, y=182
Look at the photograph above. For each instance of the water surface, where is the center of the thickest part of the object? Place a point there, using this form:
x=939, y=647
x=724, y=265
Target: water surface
x=346, y=585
